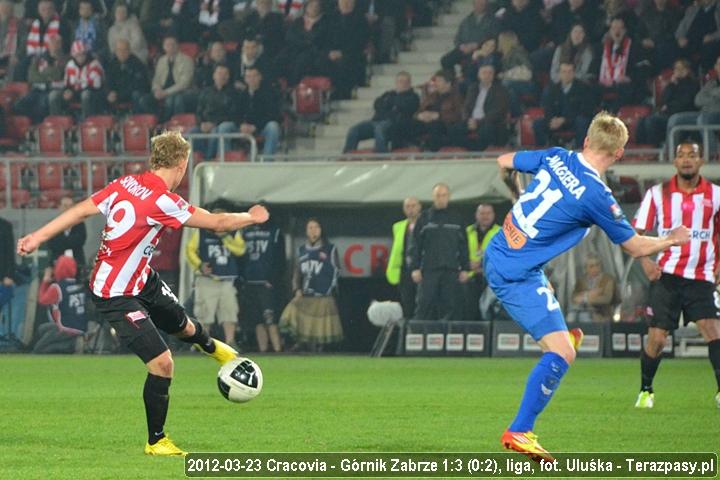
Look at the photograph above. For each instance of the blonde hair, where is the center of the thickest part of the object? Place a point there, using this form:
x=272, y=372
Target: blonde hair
x=506, y=41
x=607, y=134
x=167, y=150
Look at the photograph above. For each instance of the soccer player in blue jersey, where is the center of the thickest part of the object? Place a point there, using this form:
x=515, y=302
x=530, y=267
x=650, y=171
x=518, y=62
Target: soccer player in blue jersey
x=564, y=199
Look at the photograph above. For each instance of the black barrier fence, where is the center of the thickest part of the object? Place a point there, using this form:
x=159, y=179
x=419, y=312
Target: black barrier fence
x=507, y=339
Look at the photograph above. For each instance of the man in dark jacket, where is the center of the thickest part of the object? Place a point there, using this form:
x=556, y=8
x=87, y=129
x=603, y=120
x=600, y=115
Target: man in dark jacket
x=524, y=19
x=473, y=30
x=440, y=110
x=216, y=111
x=439, y=259
x=259, y=108
x=394, y=109
x=127, y=77
x=345, y=62
x=568, y=105
x=486, y=110
x=70, y=242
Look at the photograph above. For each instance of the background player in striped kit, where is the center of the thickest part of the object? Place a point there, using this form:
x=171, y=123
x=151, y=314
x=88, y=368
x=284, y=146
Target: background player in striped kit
x=684, y=278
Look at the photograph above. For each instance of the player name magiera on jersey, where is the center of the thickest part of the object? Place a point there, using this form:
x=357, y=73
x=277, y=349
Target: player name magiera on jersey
x=448, y=464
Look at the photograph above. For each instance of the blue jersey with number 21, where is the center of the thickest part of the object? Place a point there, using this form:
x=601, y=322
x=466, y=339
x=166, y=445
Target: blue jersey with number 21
x=564, y=199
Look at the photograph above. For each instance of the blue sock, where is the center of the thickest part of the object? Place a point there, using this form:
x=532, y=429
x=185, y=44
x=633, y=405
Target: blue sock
x=541, y=384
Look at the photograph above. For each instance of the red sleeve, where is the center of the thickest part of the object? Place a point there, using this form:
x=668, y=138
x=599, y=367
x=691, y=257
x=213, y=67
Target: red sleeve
x=103, y=199
x=49, y=294
x=173, y=211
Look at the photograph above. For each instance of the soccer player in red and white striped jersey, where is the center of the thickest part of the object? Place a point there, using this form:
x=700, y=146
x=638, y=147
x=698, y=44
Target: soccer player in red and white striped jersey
x=127, y=293
x=684, y=277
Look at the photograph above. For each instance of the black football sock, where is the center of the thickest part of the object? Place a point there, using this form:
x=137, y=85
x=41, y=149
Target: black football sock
x=648, y=368
x=156, y=398
x=714, y=354
x=201, y=338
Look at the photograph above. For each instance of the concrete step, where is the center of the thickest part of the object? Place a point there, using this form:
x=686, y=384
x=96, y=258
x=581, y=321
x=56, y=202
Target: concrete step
x=353, y=105
x=417, y=71
x=439, y=33
x=421, y=58
x=370, y=93
x=433, y=45
x=323, y=132
x=453, y=19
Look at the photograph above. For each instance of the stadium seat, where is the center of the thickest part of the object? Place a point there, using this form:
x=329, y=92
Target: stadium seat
x=20, y=198
x=181, y=122
x=93, y=138
x=147, y=119
x=50, y=175
x=51, y=138
x=99, y=176
x=135, y=138
x=631, y=115
x=51, y=198
x=65, y=122
x=7, y=100
x=20, y=89
x=191, y=49
x=236, y=156
x=311, y=97
x=526, y=134
x=106, y=121
x=16, y=131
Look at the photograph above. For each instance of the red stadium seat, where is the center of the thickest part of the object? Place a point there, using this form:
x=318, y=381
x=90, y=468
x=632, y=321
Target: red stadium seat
x=147, y=119
x=99, y=174
x=20, y=89
x=51, y=198
x=526, y=135
x=50, y=175
x=181, y=122
x=106, y=121
x=16, y=130
x=631, y=115
x=236, y=156
x=191, y=49
x=7, y=100
x=135, y=138
x=93, y=138
x=65, y=122
x=51, y=138
x=20, y=198
x=133, y=168
x=311, y=97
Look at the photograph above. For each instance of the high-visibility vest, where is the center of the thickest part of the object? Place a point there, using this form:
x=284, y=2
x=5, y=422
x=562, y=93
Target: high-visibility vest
x=472, y=237
x=395, y=262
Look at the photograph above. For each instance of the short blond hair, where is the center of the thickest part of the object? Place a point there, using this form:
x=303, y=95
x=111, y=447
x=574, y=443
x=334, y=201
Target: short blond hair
x=168, y=149
x=607, y=133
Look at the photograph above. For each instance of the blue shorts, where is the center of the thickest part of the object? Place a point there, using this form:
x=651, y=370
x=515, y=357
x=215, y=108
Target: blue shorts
x=528, y=301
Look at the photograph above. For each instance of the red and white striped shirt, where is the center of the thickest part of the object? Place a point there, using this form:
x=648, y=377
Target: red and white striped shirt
x=37, y=40
x=138, y=208
x=88, y=76
x=666, y=207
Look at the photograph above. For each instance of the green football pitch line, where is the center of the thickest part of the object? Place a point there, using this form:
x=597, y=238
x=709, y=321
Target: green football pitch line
x=82, y=417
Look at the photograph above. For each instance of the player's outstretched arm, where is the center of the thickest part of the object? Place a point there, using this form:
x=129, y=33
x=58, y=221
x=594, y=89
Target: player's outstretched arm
x=68, y=219
x=642, y=245
x=227, y=222
x=508, y=174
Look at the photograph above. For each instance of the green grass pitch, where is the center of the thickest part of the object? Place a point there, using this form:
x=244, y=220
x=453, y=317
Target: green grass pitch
x=82, y=417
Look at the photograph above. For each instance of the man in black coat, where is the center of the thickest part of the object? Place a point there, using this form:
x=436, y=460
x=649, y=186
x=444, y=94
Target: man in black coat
x=568, y=105
x=216, y=111
x=70, y=242
x=524, y=19
x=439, y=259
x=127, y=77
x=260, y=113
x=393, y=110
x=485, y=113
x=345, y=63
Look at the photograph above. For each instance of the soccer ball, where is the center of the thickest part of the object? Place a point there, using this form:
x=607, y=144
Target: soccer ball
x=240, y=380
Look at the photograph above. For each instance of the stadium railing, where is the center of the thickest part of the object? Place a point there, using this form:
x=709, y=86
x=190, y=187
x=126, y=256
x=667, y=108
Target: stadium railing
x=705, y=131
x=253, y=157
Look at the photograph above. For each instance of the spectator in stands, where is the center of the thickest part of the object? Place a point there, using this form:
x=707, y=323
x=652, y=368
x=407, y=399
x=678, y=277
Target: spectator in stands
x=211, y=13
x=620, y=9
x=568, y=106
x=306, y=43
x=486, y=54
x=173, y=76
x=394, y=111
x=439, y=259
x=11, y=30
x=70, y=243
x=47, y=24
x=708, y=101
x=70, y=9
x=620, y=79
x=576, y=49
x=479, y=235
x=441, y=109
x=658, y=24
x=260, y=110
x=699, y=31
x=253, y=56
x=565, y=15
x=524, y=19
x=346, y=59
x=384, y=18
x=65, y=298
x=214, y=56
x=45, y=75
x=678, y=96
x=127, y=27
x=214, y=259
x=398, y=266
x=263, y=272
x=83, y=83
x=595, y=294
x=157, y=19
x=217, y=109
x=89, y=29
x=516, y=71
x=7, y=254
x=127, y=77
x=266, y=25
x=292, y=9
x=312, y=317
x=485, y=113
x=474, y=28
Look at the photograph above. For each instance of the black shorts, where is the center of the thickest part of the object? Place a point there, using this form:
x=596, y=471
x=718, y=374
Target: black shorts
x=672, y=294
x=258, y=304
x=136, y=319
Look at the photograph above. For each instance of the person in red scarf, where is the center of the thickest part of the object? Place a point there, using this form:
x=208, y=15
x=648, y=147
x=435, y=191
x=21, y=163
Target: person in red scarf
x=621, y=77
